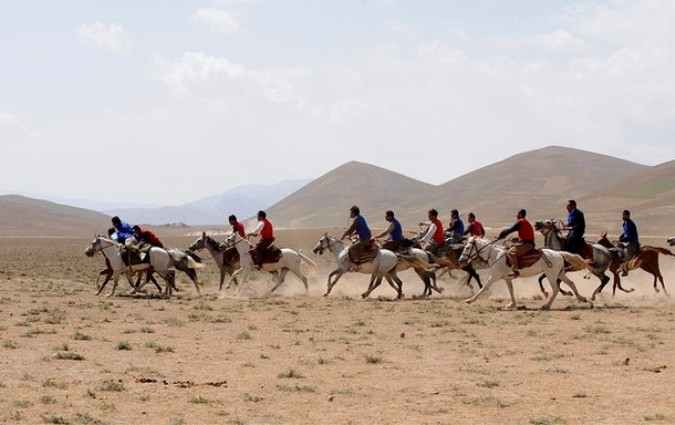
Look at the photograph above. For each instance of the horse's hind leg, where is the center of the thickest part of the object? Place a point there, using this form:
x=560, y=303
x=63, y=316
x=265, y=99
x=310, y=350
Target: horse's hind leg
x=604, y=280
x=541, y=285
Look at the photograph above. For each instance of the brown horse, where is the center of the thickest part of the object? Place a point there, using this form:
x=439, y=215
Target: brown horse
x=646, y=259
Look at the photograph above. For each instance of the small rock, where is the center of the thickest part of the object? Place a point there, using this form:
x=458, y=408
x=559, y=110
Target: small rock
x=402, y=334
x=625, y=362
x=331, y=397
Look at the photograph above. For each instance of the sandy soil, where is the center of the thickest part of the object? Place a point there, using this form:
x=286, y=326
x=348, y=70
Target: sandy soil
x=69, y=356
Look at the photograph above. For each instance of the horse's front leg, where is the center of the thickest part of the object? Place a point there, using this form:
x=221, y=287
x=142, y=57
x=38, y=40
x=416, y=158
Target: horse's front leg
x=115, y=279
x=491, y=279
x=330, y=285
x=233, y=277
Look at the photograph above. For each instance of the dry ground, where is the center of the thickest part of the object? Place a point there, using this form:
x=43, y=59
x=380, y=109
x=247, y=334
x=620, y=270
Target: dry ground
x=71, y=357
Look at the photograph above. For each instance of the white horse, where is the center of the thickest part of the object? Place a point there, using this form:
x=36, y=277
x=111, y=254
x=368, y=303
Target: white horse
x=161, y=260
x=552, y=263
x=384, y=265
x=290, y=261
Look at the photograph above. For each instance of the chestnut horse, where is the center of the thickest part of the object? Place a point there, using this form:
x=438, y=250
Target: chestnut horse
x=646, y=259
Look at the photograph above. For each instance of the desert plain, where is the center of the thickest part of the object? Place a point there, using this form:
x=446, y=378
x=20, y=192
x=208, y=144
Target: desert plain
x=71, y=357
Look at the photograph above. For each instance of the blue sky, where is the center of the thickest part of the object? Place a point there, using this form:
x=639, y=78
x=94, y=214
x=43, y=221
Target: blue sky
x=165, y=102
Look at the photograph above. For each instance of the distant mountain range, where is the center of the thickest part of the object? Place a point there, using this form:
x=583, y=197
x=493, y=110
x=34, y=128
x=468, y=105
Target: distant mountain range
x=541, y=181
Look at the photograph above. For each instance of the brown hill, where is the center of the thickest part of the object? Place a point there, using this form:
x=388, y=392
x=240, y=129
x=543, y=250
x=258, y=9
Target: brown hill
x=649, y=195
x=28, y=217
x=541, y=181
x=325, y=202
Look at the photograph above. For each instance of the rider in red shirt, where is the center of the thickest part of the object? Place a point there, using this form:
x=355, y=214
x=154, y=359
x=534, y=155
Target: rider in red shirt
x=147, y=236
x=266, y=232
x=475, y=227
x=237, y=226
x=525, y=242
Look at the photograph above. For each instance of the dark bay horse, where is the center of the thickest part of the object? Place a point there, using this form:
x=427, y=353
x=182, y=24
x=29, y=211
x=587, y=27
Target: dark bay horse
x=646, y=259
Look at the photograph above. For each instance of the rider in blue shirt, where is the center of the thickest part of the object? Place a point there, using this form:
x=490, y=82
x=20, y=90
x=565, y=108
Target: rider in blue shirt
x=456, y=229
x=630, y=239
x=123, y=230
x=359, y=227
x=576, y=224
x=395, y=232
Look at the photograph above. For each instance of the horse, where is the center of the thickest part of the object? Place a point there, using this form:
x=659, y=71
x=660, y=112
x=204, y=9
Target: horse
x=290, y=261
x=552, y=263
x=451, y=261
x=384, y=265
x=213, y=246
x=601, y=256
x=161, y=260
x=647, y=259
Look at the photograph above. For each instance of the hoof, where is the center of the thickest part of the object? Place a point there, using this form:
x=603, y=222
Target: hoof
x=326, y=294
x=545, y=307
x=469, y=301
x=583, y=300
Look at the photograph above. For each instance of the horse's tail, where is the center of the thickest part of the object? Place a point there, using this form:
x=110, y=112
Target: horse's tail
x=660, y=250
x=577, y=262
x=193, y=260
x=417, y=264
x=308, y=260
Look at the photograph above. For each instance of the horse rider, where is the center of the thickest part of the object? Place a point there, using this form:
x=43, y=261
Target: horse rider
x=525, y=241
x=122, y=230
x=147, y=236
x=576, y=224
x=455, y=230
x=237, y=227
x=360, y=228
x=266, y=232
x=434, y=238
x=474, y=228
x=630, y=239
x=394, y=231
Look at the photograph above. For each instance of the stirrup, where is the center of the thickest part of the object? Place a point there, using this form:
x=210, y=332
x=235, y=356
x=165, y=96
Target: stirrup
x=514, y=274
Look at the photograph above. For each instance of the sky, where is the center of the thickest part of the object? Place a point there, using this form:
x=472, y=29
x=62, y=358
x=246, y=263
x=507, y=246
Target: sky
x=164, y=102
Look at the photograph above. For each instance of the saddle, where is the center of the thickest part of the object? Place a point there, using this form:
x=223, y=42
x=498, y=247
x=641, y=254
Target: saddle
x=272, y=254
x=527, y=259
x=367, y=254
x=132, y=256
x=586, y=251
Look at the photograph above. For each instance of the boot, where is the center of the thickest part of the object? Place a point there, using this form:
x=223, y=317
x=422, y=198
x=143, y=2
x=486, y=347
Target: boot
x=514, y=274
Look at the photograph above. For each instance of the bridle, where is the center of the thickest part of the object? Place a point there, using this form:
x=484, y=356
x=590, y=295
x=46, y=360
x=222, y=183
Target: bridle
x=474, y=248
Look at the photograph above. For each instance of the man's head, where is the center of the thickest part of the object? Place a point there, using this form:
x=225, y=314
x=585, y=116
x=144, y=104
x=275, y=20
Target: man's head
x=522, y=213
x=626, y=215
x=389, y=215
x=571, y=205
x=262, y=215
x=433, y=214
x=232, y=219
x=354, y=211
x=471, y=217
x=454, y=214
x=136, y=228
x=116, y=221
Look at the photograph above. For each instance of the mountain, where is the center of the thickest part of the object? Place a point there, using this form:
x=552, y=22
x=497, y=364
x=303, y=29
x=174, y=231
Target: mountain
x=649, y=195
x=242, y=201
x=28, y=217
x=541, y=181
x=326, y=201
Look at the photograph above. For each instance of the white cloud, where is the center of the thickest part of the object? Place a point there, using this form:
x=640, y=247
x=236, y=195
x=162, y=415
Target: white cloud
x=558, y=41
x=13, y=132
x=217, y=20
x=105, y=36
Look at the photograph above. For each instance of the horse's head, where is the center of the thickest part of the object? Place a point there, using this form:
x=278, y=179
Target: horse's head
x=232, y=240
x=91, y=249
x=199, y=244
x=322, y=244
x=473, y=249
x=671, y=241
x=545, y=226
